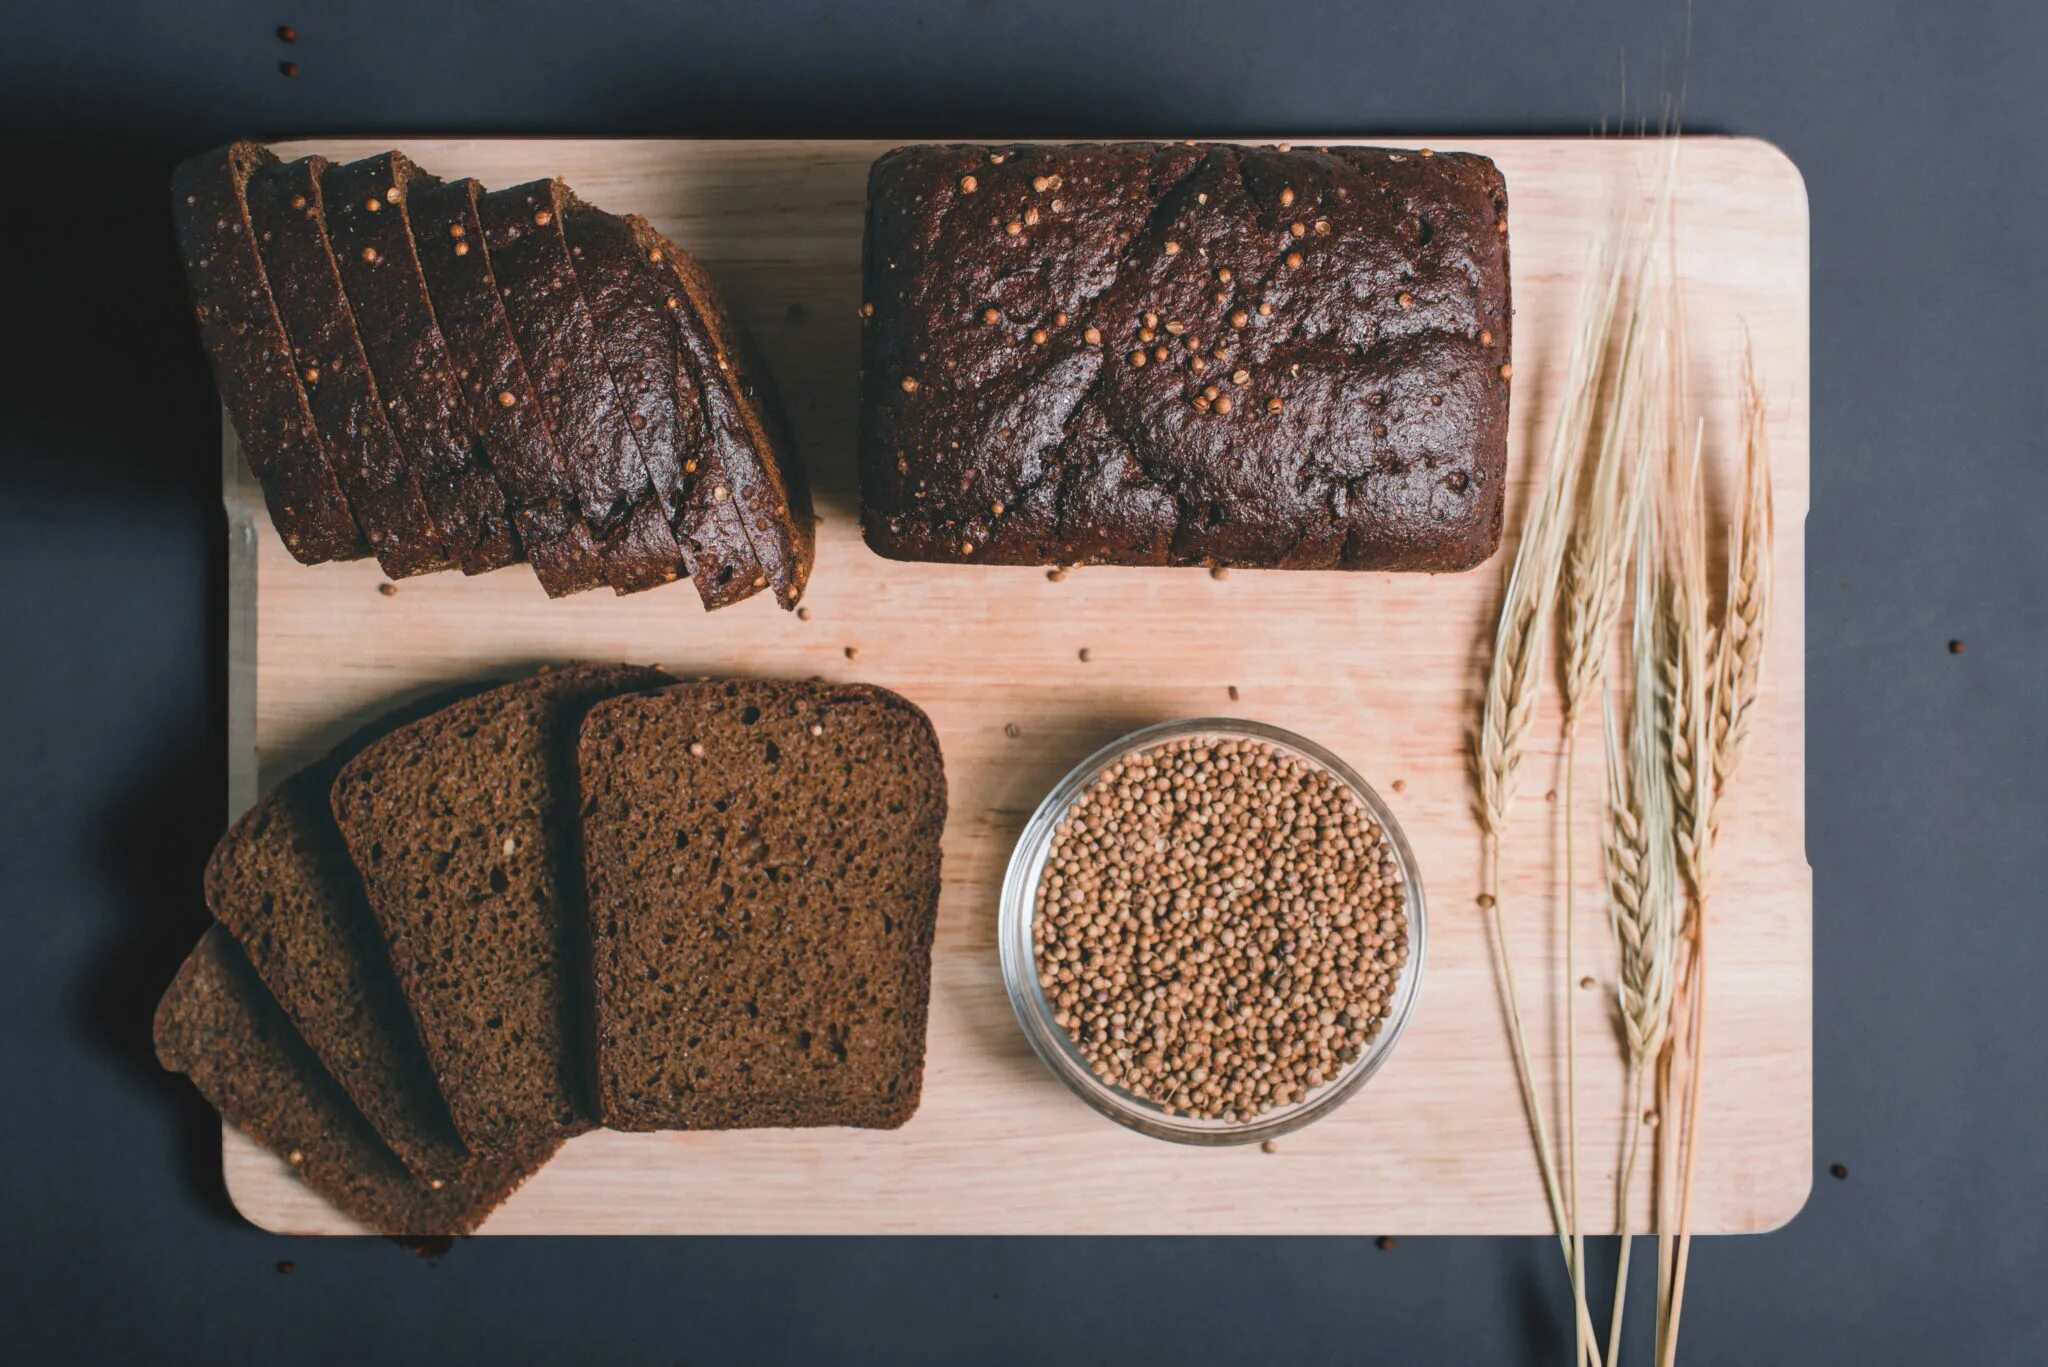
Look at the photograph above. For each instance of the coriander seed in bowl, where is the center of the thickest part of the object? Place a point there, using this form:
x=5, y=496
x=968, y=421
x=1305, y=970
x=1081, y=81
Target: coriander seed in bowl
x=1212, y=931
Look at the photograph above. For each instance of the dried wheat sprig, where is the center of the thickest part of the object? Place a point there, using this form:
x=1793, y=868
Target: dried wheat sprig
x=1528, y=603
x=1746, y=610
x=1687, y=665
x=1685, y=652
x=1596, y=554
x=1514, y=679
x=1736, y=684
x=1643, y=904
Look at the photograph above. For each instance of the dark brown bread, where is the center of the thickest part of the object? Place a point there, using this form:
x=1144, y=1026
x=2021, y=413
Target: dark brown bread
x=366, y=204
x=280, y=881
x=449, y=239
x=763, y=869
x=636, y=315
x=745, y=423
x=219, y=1027
x=382, y=488
x=1300, y=356
x=251, y=356
x=464, y=828
x=537, y=283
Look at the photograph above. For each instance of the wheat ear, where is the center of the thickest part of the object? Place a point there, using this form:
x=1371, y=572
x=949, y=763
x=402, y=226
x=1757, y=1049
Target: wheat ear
x=1590, y=601
x=1736, y=683
x=1521, y=639
x=1643, y=902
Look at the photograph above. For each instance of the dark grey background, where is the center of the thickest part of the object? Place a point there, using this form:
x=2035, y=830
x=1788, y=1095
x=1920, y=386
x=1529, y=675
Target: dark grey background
x=1921, y=133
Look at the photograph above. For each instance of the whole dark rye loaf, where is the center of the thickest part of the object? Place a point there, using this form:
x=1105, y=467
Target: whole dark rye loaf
x=368, y=224
x=280, y=881
x=252, y=358
x=763, y=867
x=464, y=828
x=382, y=485
x=219, y=1027
x=450, y=241
x=1139, y=354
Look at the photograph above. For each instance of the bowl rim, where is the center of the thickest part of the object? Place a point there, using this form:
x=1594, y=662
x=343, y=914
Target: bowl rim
x=1057, y=1051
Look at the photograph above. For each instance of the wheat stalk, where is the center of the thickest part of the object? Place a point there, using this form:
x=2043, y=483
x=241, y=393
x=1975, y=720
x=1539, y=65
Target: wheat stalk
x=1521, y=640
x=1737, y=673
x=1642, y=871
x=1590, y=602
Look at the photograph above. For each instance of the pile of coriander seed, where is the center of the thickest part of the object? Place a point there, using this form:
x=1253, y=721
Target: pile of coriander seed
x=1220, y=926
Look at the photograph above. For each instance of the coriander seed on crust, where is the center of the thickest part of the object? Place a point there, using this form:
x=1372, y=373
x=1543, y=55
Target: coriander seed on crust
x=1221, y=926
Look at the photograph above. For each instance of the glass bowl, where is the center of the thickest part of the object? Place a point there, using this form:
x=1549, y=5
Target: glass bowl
x=1057, y=1050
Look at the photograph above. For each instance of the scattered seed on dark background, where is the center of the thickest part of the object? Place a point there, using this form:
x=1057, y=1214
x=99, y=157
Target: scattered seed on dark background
x=287, y=34
x=1838, y=1171
x=1955, y=647
x=1384, y=1243
x=288, y=68
x=284, y=1267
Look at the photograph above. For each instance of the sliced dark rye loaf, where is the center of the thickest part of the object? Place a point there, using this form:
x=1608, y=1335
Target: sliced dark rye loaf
x=746, y=421
x=464, y=828
x=382, y=487
x=367, y=226
x=251, y=356
x=635, y=311
x=763, y=869
x=558, y=339
x=219, y=1027
x=280, y=881
x=449, y=239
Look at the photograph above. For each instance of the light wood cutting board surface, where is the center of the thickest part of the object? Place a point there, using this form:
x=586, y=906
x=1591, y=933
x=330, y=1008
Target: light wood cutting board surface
x=1382, y=669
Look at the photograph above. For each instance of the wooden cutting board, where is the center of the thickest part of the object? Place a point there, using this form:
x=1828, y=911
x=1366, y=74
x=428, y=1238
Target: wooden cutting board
x=1383, y=669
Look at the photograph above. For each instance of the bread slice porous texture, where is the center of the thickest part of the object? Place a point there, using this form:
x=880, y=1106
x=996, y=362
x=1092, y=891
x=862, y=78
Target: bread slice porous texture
x=763, y=868
x=463, y=826
x=219, y=1027
x=280, y=881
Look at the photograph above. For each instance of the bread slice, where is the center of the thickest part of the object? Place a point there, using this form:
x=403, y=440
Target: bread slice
x=464, y=827
x=281, y=883
x=382, y=487
x=762, y=861
x=251, y=356
x=636, y=306
x=366, y=204
x=449, y=239
x=558, y=339
x=745, y=421
x=219, y=1027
